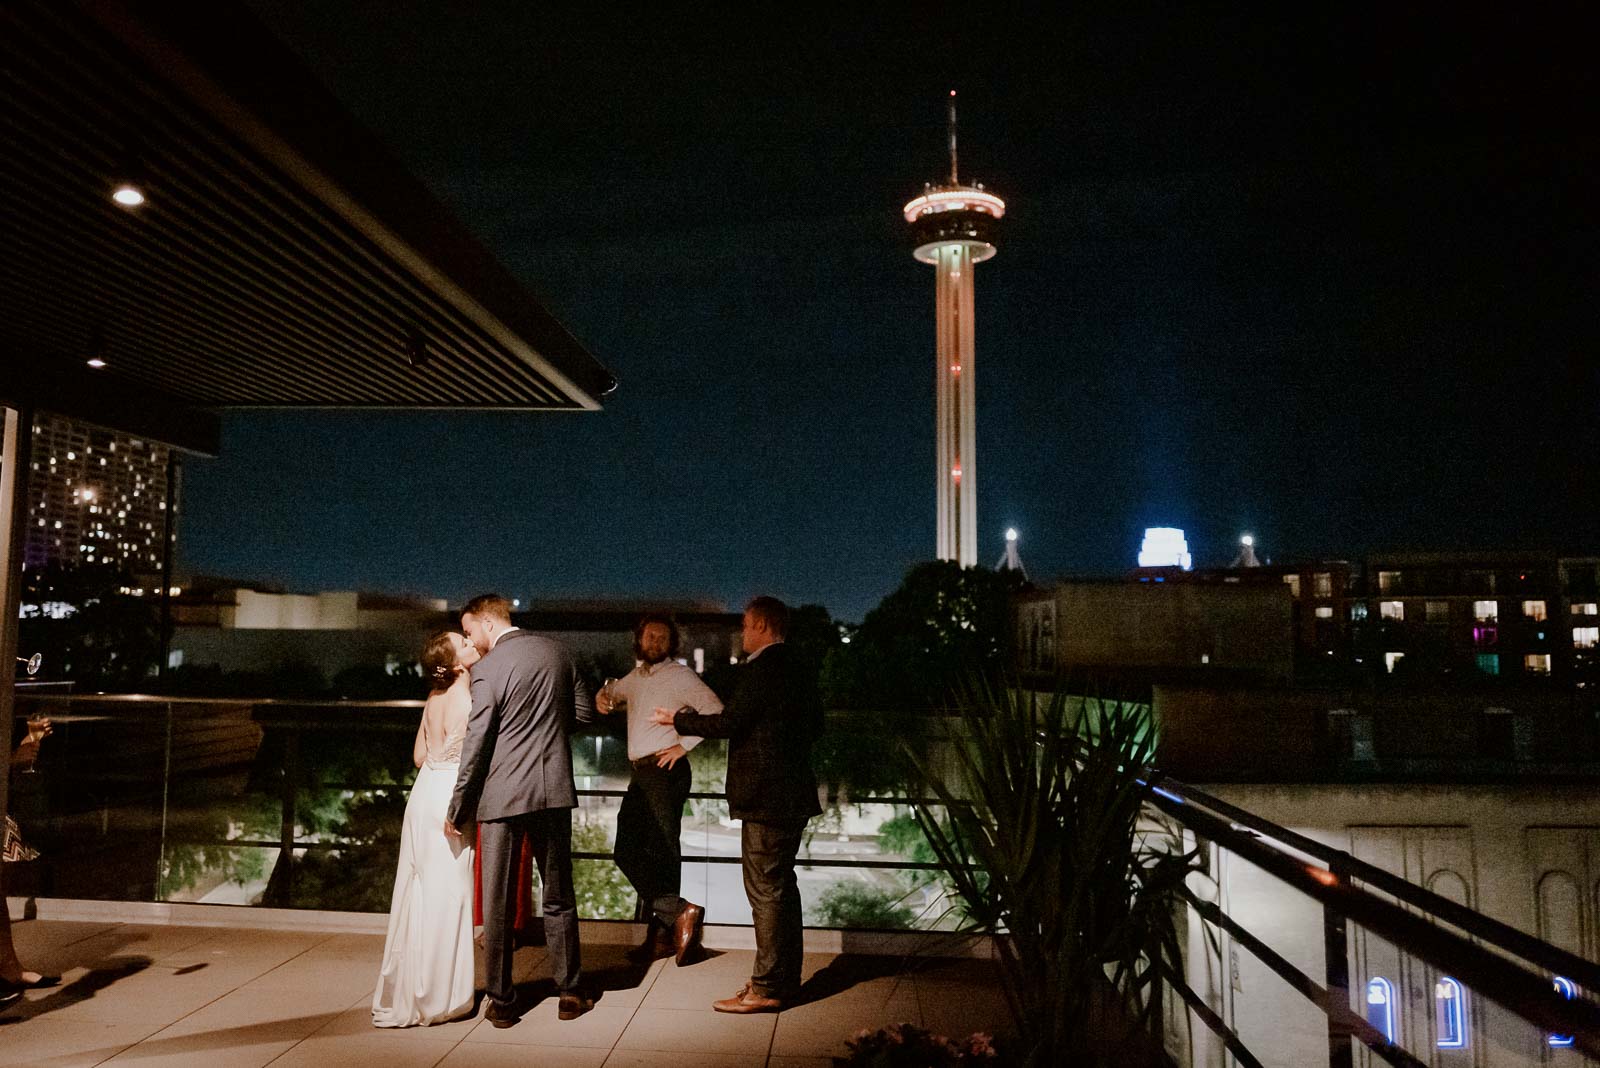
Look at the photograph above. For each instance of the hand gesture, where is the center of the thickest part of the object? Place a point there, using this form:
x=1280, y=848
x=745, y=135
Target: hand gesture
x=670, y=756
x=663, y=716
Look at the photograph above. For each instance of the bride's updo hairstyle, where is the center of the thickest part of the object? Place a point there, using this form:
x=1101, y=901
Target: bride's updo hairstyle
x=439, y=661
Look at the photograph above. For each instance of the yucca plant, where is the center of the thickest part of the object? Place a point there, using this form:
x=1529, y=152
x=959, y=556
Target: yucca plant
x=1045, y=837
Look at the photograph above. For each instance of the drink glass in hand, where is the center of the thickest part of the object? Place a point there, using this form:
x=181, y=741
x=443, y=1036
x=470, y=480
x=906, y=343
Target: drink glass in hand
x=38, y=727
x=614, y=700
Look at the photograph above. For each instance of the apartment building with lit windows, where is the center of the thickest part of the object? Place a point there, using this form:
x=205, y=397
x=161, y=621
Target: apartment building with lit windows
x=96, y=497
x=1509, y=616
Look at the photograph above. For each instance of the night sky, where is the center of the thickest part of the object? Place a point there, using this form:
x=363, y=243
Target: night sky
x=1330, y=278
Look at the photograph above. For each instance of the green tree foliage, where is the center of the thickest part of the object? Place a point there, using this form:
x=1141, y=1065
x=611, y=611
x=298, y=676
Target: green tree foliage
x=943, y=624
x=857, y=904
x=105, y=640
x=603, y=892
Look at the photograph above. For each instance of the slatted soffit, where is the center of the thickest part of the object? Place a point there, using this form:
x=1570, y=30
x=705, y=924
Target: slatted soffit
x=281, y=259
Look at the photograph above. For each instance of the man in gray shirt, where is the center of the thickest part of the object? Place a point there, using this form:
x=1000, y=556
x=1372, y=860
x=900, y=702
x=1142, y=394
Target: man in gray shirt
x=648, y=827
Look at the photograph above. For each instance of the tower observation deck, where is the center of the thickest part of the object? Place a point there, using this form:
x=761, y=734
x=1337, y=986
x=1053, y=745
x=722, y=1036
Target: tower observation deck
x=952, y=227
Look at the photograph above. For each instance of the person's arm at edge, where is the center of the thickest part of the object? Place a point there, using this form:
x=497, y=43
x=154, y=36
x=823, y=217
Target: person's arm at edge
x=704, y=700
x=736, y=718
x=474, y=754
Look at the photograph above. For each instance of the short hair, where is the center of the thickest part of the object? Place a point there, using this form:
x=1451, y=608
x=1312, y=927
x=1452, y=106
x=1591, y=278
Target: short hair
x=772, y=612
x=673, y=638
x=490, y=605
x=439, y=660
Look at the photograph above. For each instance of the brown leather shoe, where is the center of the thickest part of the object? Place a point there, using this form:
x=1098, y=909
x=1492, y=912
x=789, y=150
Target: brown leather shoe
x=573, y=1005
x=658, y=942
x=748, y=1001
x=686, y=933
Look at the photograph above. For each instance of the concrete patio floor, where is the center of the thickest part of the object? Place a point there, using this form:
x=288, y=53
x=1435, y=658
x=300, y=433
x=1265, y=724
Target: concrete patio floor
x=187, y=995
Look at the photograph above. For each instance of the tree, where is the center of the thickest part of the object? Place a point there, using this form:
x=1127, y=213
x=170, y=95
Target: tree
x=943, y=624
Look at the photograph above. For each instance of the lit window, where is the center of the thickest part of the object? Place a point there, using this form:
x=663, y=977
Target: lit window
x=1380, y=1006
x=1486, y=611
x=1587, y=609
x=1437, y=611
x=1391, y=659
x=1392, y=609
x=1450, y=1013
x=1489, y=663
x=1533, y=610
x=1585, y=637
x=1293, y=582
x=1536, y=663
x=1485, y=635
x=1323, y=583
x=1324, y=611
x=1567, y=989
x=1358, y=611
x=1388, y=582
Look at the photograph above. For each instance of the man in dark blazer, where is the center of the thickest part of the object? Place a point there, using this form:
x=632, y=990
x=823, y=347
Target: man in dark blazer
x=771, y=722
x=516, y=777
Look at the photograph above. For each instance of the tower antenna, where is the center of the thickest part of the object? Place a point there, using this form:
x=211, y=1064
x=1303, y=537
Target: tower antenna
x=953, y=179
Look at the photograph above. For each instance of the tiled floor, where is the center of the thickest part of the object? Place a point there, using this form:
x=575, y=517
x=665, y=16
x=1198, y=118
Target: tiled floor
x=172, y=995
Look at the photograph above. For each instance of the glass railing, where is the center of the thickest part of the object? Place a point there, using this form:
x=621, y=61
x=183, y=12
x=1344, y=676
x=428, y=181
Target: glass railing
x=300, y=805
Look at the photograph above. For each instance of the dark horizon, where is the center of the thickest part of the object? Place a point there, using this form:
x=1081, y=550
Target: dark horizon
x=1325, y=277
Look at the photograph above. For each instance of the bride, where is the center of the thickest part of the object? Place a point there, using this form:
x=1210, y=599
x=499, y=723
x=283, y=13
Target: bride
x=427, y=972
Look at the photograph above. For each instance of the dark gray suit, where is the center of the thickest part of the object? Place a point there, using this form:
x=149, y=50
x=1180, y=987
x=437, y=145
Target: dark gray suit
x=516, y=777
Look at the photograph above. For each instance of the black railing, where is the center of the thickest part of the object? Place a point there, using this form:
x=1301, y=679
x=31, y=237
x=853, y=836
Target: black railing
x=128, y=780
x=1490, y=957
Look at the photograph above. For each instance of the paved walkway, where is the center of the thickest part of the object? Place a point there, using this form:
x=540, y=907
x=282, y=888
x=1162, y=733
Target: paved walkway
x=177, y=995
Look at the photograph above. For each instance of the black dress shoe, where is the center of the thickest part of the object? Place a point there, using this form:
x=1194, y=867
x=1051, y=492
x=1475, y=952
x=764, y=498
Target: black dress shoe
x=573, y=1005
x=43, y=982
x=10, y=994
x=503, y=1015
x=657, y=944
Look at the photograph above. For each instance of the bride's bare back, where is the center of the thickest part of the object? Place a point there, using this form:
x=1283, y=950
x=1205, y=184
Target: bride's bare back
x=444, y=719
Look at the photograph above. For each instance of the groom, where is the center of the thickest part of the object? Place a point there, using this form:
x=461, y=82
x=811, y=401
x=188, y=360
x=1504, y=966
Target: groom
x=516, y=776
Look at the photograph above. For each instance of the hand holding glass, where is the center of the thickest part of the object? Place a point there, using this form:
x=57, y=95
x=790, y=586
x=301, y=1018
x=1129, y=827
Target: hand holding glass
x=38, y=728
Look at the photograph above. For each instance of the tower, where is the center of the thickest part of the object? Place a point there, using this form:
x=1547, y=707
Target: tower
x=952, y=226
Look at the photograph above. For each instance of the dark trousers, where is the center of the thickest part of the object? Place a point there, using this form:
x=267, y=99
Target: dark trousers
x=550, y=831
x=647, y=851
x=769, y=849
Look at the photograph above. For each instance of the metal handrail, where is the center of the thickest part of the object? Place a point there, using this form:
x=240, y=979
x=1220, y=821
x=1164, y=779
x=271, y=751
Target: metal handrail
x=1525, y=993
x=1585, y=973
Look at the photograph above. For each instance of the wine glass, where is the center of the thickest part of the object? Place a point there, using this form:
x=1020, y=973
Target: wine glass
x=38, y=727
x=31, y=664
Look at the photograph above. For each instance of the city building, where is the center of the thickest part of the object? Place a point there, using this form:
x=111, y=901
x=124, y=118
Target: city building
x=238, y=628
x=97, y=496
x=1432, y=714
x=1156, y=629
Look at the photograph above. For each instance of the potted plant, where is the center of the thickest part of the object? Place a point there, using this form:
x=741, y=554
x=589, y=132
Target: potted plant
x=1042, y=829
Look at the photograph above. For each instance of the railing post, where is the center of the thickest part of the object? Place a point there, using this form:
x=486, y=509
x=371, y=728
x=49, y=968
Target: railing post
x=1336, y=947
x=291, y=782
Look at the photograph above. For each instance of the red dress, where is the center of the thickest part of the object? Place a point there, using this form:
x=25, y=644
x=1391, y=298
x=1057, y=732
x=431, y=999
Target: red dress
x=523, y=920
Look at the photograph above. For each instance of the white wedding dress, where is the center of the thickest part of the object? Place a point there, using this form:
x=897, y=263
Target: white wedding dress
x=427, y=972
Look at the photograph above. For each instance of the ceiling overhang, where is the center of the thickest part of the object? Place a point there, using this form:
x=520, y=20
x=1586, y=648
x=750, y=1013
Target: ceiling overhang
x=282, y=258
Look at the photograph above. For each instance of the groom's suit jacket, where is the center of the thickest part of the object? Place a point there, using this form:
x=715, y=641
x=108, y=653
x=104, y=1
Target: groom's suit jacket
x=526, y=698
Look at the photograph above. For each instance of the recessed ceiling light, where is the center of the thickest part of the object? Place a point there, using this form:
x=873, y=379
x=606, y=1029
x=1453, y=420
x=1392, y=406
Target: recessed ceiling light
x=96, y=362
x=128, y=195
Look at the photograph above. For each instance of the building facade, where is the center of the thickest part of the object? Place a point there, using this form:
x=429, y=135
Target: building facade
x=96, y=496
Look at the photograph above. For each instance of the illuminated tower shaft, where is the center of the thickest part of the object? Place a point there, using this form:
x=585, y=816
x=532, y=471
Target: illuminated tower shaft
x=953, y=226
x=955, y=411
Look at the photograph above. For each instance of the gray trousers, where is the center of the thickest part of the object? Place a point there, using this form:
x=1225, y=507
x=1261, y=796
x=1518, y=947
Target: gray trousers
x=551, y=833
x=768, y=854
